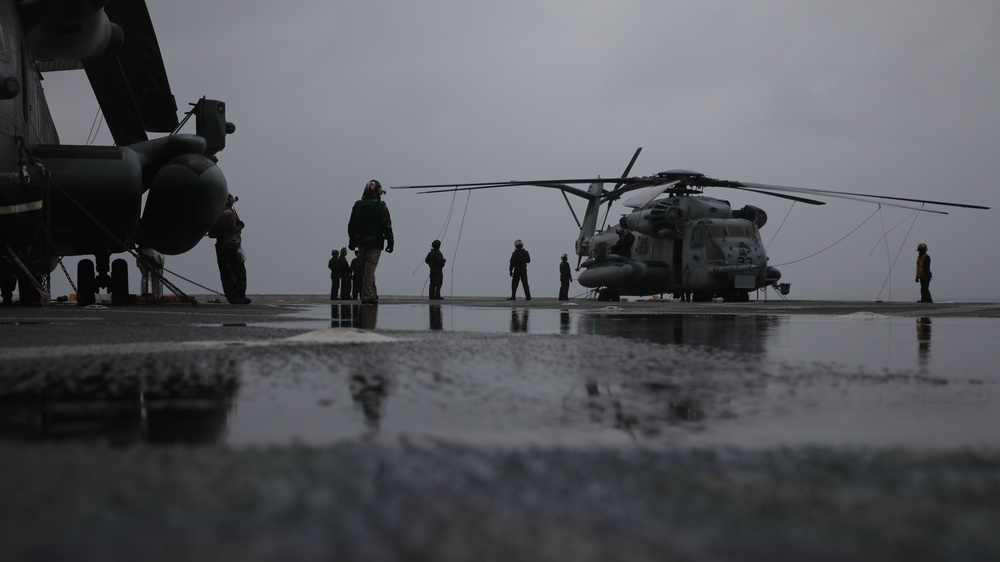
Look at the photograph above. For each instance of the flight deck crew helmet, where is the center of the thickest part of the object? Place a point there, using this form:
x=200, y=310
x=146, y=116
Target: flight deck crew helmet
x=518, y=243
x=921, y=247
x=436, y=244
x=374, y=186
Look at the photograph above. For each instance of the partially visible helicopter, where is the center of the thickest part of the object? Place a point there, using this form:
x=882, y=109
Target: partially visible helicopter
x=683, y=243
x=67, y=200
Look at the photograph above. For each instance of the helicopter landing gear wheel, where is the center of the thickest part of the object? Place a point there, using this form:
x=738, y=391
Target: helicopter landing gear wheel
x=119, y=282
x=86, y=283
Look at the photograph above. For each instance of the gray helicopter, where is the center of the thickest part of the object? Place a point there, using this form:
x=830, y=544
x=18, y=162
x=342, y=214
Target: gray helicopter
x=79, y=200
x=676, y=240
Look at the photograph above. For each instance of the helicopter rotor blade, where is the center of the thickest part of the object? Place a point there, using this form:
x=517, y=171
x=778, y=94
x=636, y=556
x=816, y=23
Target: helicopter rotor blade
x=607, y=210
x=640, y=199
x=860, y=197
x=563, y=187
x=783, y=196
x=848, y=194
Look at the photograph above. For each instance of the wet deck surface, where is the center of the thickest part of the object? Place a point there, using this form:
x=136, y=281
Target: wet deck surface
x=760, y=395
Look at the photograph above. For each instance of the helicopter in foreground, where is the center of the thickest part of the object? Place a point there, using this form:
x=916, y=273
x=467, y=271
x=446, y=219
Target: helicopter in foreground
x=70, y=200
x=675, y=239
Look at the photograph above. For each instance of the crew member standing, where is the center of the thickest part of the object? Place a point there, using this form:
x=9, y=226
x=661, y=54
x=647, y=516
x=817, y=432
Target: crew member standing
x=150, y=264
x=229, y=253
x=924, y=273
x=564, y=278
x=435, y=259
x=357, y=272
x=334, y=274
x=344, y=268
x=369, y=229
x=519, y=261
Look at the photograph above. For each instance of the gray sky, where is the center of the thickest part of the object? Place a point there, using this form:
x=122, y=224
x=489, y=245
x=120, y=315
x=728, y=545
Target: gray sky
x=895, y=97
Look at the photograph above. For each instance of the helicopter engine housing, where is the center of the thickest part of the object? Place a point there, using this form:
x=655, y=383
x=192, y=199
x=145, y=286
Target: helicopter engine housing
x=666, y=218
x=186, y=196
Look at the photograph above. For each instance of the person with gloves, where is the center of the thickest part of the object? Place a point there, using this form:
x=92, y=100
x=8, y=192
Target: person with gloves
x=369, y=230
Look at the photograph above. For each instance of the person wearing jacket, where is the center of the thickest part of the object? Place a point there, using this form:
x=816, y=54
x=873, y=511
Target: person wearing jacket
x=227, y=232
x=564, y=278
x=344, y=270
x=518, y=269
x=370, y=229
x=924, y=273
x=435, y=259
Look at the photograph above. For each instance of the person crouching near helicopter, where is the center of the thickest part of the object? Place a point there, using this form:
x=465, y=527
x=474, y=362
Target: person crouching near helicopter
x=435, y=260
x=229, y=253
x=369, y=228
x=565, y=276
x=519, y=261
x=924, y=273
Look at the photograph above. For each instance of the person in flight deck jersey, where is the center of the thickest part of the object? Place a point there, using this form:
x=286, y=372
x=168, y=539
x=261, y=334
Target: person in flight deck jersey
x=519, y=260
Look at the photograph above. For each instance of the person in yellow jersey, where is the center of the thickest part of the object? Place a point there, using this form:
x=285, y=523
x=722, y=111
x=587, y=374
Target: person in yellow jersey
x=924, y=273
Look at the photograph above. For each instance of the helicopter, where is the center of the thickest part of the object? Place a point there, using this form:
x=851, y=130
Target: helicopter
x=73, y=200
x=675, y=239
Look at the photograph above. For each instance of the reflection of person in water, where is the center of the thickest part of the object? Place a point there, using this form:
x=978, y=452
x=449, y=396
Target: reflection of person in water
x=923, y=342
x=563, y=322
x=436, y=321
x=369, y=392
x=519, y=320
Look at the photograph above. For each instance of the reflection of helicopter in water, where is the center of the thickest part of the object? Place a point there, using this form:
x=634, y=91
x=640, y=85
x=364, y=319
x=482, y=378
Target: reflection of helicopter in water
x=683, y=243
x=64, y=200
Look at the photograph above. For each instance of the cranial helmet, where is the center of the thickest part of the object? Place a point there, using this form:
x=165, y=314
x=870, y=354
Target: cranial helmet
x=436, y=244
x=518, y=243
x=375, y=186
x=921, y=247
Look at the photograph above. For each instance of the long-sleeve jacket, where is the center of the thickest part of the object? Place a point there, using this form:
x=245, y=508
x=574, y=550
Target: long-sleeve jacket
x=519, y=259
x=923, y=266
x=370, y=224
x=435, y=259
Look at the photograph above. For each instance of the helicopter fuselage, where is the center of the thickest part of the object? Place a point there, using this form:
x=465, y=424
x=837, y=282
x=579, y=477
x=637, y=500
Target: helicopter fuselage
x=688, y=244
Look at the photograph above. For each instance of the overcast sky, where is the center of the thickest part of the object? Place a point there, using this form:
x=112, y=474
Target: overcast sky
x=894, y=97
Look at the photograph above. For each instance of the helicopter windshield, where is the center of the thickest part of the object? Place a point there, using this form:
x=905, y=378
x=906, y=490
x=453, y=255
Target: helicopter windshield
x=724, y=231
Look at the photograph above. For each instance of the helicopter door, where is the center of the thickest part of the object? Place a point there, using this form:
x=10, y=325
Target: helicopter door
x=678, y=261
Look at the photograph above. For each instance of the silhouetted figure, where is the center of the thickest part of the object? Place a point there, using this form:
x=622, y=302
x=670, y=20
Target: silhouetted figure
x=357, y=273
x=344, y=270
x=924, y=273
x=369, y=229
x=334, y=274
x=519, y=261
x=150, y=264
x=623, y=247
x=229, y=253
x=435, y=259
x=565, y=276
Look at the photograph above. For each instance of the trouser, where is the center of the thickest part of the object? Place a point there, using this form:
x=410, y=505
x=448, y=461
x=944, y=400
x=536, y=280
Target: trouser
x=925, y=289
x=345, y=288
x=520, y=276
x=334, y=287
x=233, y=273
x=370, y=258
x=564, y=290
x=437, y=279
